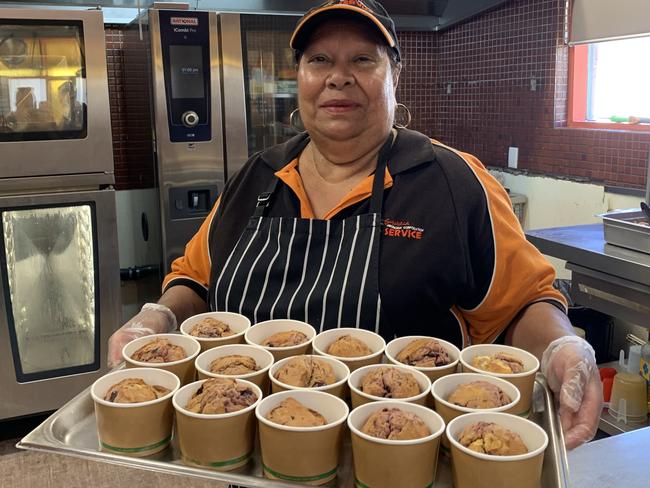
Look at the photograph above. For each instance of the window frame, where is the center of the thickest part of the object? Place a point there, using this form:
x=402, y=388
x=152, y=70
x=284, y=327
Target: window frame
x=577, y=95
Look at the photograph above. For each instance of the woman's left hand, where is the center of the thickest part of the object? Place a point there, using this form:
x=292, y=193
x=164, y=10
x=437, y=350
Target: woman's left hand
x=569, y=365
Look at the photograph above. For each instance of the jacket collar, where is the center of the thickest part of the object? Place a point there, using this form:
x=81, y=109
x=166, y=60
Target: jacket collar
x=411, y=148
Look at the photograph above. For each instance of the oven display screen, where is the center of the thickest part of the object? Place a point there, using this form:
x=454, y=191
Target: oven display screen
x=186, y=63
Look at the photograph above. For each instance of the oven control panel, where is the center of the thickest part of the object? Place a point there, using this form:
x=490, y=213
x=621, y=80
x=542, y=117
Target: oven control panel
x=184, y=39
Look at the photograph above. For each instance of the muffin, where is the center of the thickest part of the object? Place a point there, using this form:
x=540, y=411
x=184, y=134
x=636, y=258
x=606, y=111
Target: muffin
x=395, y=424
x=390, y=383
x=424, y=353
x=347, y=346
x=285, y=339
x=479, y=394
x=219, y=395
x=210, y=327
x=159, y=351
x=306, y=372
x=234, y=364
x=501, y=362
x=292, y=413
x=491, y=438
x=134, y=390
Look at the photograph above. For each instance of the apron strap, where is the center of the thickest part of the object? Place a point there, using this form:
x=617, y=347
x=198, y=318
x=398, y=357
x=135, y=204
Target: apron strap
x=377, y=197
x=264, y=199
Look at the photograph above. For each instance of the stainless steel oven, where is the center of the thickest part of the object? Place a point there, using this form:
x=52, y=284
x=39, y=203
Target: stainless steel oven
x=59, y=268
x=222, y=87
x=186, y=80
x=53, y=95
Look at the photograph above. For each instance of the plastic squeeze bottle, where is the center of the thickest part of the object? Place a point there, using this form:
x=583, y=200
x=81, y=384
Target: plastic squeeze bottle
x=644, y=368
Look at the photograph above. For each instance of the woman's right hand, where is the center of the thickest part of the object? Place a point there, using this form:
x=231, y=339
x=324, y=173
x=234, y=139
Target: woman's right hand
x=154, y=318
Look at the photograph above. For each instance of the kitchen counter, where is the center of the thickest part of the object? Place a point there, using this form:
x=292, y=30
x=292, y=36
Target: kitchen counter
x=611, y=279
x=617, y=461
x=585, y=245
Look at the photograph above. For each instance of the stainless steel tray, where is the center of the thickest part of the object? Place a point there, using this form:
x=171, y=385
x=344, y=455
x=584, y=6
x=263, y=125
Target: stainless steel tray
x=71, y=431
x=625, y=228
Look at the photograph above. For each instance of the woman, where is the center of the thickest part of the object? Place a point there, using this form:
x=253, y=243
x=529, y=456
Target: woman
x=355, y=223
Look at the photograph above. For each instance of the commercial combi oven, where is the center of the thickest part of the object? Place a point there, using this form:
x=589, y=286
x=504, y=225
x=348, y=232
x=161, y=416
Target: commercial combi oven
x=59, y=268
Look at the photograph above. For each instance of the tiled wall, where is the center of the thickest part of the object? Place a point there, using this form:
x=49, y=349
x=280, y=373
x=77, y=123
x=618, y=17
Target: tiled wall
x=130, y=109
x=470, y=87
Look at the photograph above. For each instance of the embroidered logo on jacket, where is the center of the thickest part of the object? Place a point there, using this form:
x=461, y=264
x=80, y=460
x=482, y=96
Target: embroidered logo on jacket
x=402, y=228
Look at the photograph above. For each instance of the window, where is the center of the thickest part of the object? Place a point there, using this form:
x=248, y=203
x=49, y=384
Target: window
x=609, y=85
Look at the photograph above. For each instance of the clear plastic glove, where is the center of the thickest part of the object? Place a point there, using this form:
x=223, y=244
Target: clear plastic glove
x=569, y=364
x=152, y=319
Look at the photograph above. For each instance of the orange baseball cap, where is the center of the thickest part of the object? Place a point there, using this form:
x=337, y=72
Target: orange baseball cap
x=369, y=10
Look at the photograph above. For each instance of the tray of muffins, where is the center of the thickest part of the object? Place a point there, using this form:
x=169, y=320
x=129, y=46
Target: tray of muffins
x=277, y=405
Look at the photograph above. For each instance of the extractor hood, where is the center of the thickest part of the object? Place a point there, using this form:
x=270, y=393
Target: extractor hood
x=428, y=15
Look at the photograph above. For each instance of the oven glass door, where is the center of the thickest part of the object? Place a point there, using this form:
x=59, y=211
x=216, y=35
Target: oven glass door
x=42, y=80
x=270, y=79
x=49, y=258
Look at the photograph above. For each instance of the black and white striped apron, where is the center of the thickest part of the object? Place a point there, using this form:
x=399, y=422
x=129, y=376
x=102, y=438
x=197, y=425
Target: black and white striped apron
x=323, y=272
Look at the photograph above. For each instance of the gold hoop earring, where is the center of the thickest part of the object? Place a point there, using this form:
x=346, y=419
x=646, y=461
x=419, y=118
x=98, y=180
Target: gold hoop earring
x=402, y=120
x=295, y=122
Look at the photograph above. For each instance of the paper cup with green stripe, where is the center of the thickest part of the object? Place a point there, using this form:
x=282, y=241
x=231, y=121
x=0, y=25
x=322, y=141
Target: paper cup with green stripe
x=261, y=331
x=341, y=373
x=183, y=368
x=375, y=343
x=238, y=324
x=443, y=387
x=308, y=455
x=222, y=442
x=135, y=429
x=359, y=397
x=394, y=347
x=263, y=359
x=524, y=381
x=471, y=469
x=384, y=463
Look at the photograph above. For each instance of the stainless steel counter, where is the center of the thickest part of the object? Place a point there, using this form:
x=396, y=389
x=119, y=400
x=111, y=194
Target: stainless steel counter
x=611, y=279
x=585, y=245
x=618, y=461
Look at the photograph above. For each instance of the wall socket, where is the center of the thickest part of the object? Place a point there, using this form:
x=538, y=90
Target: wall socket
x=513, y=156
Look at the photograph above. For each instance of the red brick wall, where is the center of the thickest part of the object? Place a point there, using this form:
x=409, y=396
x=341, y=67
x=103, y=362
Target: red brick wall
x=130, y=109
x=470, y=88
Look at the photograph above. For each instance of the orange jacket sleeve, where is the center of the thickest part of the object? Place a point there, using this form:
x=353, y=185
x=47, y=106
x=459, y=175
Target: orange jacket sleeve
x=520, y=275
x=193, y=268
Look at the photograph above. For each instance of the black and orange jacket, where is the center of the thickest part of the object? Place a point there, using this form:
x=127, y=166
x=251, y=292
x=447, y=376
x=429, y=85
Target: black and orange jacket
x=454, y=262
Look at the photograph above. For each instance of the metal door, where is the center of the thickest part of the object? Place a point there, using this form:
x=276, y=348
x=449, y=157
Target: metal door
x=59, y=272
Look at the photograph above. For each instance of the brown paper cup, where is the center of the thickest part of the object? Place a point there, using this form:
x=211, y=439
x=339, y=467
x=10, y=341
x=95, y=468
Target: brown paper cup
x=394, y=347
x=338, y=389
x=134, y=429
x=525, y=382
x=443, y=387
x=222, y=442
x=383, y=463
x=262, y=330
x=238, y=323
x=184, y=368
x=308, y=455
x=359, y=398
x=471, y=469
x=262, y=357
x=374, y=341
